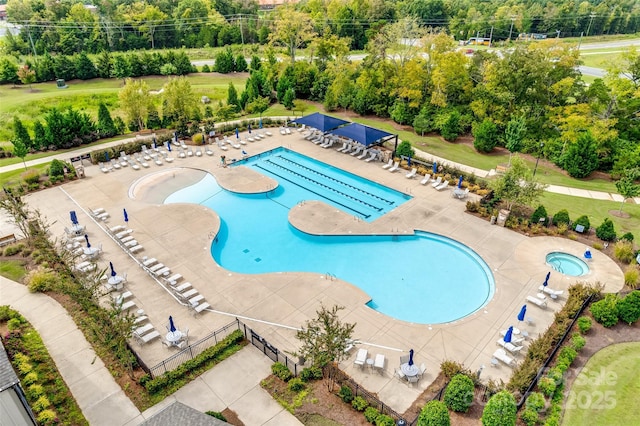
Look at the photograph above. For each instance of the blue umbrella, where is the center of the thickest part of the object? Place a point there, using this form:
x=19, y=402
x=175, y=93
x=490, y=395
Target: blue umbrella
x=409, y=161
x=86, y=237
x=126, y=216
x=460, y=182
x=523, y=311
x=435, y=167
x=260, y=123
x=237, y=134
x=546, y=280
x=507, y=335
x=249, y=128
x=175, y=136
x=106, y=156
x=244, y=152
x=74, y=217
x=169, y=145
x=411, y=357
x=113, y=271
x=172, y=326
x=587, y=254
x=155, y=145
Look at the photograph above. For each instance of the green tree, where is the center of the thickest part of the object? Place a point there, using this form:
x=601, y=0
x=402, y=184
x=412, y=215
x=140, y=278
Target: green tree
x=20, y=150
x=85, y=70
x=449, y=125
x=323, y=340
x=289, y=98
x=232, y=98
x=20, y=133
x=134, y=101
x=459, y=394
x=516, y=185
x=627, y=187
x=8, y=71
x=485, y=135
x=103, y=64
x=581, y=158
x=39, y=135
x=501, y=410
x=514, y=134
x=27, y=76
x=292, y=29
x=405, y=149
x=120, y=68
x=606, y=231
x=241, y=63
x=224, y=61
x=178, y=99
x=144, y=17
x=105, y=126
x=258, y=105
x=434, y=413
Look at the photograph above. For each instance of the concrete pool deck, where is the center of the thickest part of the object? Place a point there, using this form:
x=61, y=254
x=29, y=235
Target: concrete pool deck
x=180, y=236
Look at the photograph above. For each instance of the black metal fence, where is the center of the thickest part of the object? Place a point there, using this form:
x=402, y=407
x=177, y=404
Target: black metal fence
x=268, y=349
x=194, y=349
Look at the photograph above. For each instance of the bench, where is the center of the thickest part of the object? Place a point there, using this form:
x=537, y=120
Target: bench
x=7, y=239
x=501, y=169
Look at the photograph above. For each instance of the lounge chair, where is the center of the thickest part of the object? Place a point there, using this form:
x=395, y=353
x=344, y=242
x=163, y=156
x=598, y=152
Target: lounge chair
x=350, y=344
x=208, y=150
x=509, y=346
x=189, y=152
x=364, y=154
x=413, y=379
x=127, y=305
x=399, y=373
x=412, y=173
x=200, y=307
x=182, y=287
x=174, y=278
x=198, y=152
x=150, y=261
x=552, y=293
x=196, y=299
x=268, y=133
x=287, y=130
x=538, y=302
x=131, y=243
x=233, y=144
x=395, y=167
x=149, y=337
x=425, y=179
x=142, y=330
x=357, y=150
x=117, y=228
x=189, y=294
x=221, y=145
x=379, y=362
x=514, y=339
x=344, y=146
x=501, y=355
x=389, y=164
x=404, y=359
x=135, y=249
x=437, y=182
x=361, y=357
x=372, y=156
x=443, y=185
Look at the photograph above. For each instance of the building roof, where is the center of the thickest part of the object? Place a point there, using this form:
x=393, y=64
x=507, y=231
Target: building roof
x=8, y=377
x=183, y=415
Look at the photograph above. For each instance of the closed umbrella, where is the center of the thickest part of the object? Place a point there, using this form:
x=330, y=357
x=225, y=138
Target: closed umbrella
x=86, y=237
x=74, y=217
x=237, y=134
x=175, y=136
x=126, y=216
x=169, y=145
x=155, y=144
x=249, y=128
x=106, y=156
x=409, y=161
x=411, y=357
x=435, y=167
x=460, y=182
x=522, y=313
x=546, y=280
x=507, y=335
x=113, y=271
x=260, y=123
x=172, y=326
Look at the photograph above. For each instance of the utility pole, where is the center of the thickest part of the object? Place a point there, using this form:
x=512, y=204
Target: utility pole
x=557, y=33
x=513, y=18
x=592, y=15
x=491, y=36
x=580, y=41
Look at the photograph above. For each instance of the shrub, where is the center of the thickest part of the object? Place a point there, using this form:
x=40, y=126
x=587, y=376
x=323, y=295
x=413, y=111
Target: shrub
x=216, y=414
x=629, y=307
x=623, y=251
x=405, y=148
x=346, y=394
x=41, y=404
x=561, y=217
x=472, y=206
x=547, y=386
x=451, y=368
x=30, y=378
x=538, y=214
x=205, y=68
x=578, y=342
x=535, y=401
x=567, y=354
x=584, y=324
x=197, y=139
x=604, y=311
x=627, y=237
x=500, y=410
x=56, y=168
x=46, y=417
x=296, y=385
x=12, y=250
x=14, y=324
x=584, y=221
x=359, y=403
x=35, y=391
x=459, y=393
x=281, y=371
x=31, y=177
x=384, y=420
x=529, y=417
x=311, y=373
x=41, y=280
x=631, y=276
x=371, y=414
x=434, y=413
x=606, y=230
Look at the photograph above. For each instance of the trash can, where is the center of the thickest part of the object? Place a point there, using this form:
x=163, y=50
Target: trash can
x=502, y=217
x=493, y=220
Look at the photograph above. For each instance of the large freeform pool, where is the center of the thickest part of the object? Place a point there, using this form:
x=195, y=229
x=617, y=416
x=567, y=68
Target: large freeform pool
x=422, y=278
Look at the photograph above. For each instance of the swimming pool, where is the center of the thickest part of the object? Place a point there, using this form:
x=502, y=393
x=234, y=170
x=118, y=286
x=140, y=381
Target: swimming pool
x=567, y=264
x=422, y=278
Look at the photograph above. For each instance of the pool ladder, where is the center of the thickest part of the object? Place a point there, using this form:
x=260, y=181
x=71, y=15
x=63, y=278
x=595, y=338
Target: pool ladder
x=330, y=276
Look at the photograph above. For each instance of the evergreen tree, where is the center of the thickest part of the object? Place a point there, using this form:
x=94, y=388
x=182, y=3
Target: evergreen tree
x=255, y=63
x=581, y=158
x=450, y=126
x=45, y=68
x=485, y=135
x=232, y=98
x=224, y=62
x=120, y=67
x=39, y=136
x=105, y=126
x=8, y=71
x=182, y=63
x=205, y=68
x=283, y=85
x=241, y=63
x=20, y=133
x=64, y=67
x=103, y=64
x=289, y=97
x=85, y=70
x=153, y=118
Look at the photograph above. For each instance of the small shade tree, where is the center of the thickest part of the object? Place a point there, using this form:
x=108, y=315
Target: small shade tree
x=20, y=150
x=516, y=185
x=501, y=410
x=627, y=186
x=485, y=136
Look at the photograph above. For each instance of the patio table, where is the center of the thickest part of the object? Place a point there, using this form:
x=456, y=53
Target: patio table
x=410, y=370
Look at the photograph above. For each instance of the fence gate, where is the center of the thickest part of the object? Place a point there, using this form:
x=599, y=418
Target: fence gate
x=260, y=343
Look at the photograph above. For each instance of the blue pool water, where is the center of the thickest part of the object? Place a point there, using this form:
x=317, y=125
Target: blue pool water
x=422, y=278
x=567, y=264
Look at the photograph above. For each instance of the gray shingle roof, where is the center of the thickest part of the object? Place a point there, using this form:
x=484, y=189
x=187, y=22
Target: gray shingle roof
x=183, y=415
x=8, y=377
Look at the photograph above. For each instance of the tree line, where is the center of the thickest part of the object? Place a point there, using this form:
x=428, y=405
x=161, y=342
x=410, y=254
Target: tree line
x=68, y=26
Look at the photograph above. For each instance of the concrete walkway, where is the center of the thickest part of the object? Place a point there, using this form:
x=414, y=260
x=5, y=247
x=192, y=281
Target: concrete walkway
x=596, y=195
x=102, y=400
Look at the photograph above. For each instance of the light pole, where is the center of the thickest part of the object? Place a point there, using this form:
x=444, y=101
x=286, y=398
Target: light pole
x=538, y=159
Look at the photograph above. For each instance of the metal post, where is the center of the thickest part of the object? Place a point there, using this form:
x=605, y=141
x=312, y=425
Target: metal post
x=491, y=36
x=513, y=18
x=592, y=15
x=538, y=159
x=557, y=33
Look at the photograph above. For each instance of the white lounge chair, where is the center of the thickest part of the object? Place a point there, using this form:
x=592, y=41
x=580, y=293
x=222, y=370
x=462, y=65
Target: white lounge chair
x=361, y=357
x=509, y=346
x=372, y=156
x=514, y=339
x=150, y=261
x=182, y=287
x=149, y=337
x=501, y=355
x=364, y=154
x=443, y=185
x=437, y=182
x=389, y=164
x=344, y=146
x=395, y=167
x=174, y=278
x=357, y=150
x=552, y=293
x=135, y=249
x=379, y=362
x=412, y=173
x=196, y=299
x=208, y=150
x=425, y=179
x=538, y=302
x=200, y=307
x=127, y=305
x=268, y=133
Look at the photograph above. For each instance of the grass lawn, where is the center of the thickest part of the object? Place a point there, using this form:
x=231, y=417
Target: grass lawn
x=12, y=269
x=597, y=210
x=13, y=176
x=606, y=391
x=600, y=59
